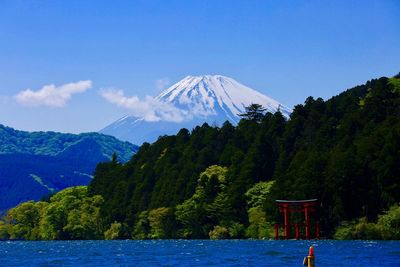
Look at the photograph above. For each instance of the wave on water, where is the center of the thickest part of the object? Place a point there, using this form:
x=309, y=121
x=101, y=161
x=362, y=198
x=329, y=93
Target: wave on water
x=198, y=253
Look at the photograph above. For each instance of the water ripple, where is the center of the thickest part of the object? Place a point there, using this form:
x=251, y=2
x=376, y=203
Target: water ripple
x=198, y=253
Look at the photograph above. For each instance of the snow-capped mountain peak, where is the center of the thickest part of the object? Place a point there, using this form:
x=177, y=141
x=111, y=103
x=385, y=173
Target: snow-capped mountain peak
x=194, y=100
x=210, y=94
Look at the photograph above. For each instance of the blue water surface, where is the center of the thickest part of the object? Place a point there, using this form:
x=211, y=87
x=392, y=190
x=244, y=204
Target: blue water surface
x=198, y=253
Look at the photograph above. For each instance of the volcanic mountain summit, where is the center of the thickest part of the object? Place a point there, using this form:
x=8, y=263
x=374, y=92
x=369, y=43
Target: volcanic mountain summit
x=194, y=100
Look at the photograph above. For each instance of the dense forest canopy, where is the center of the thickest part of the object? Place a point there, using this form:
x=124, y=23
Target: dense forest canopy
x=69, y=214
x=222, y=182
x=343, y=151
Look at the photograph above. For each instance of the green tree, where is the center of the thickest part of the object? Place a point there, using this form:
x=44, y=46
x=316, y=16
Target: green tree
x=52, y=222
x=84, y=223
x=258, y=194
x=362, y=229
x=142, y=227
x=114, y=232
x=254, y=112
x=390, y=222
x=258, y=227
x=161, y=223
x=343, y=151
x=220, y=209
x=4, y=230
x=190, y=215
x=70, y=214
x=219, y=232
x=236, y=230
x=25, y=219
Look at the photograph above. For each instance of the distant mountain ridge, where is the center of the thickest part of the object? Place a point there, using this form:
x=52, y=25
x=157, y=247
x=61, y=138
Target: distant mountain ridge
x=54, y=143
x=35, y=164
x=213, y=99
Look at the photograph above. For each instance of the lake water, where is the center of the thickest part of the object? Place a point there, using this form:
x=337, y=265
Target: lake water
x=198, y=253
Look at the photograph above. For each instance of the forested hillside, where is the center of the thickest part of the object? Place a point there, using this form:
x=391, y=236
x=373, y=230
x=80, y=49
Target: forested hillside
x=33, y=165
x=52, y=143
x=222, y=182
x=344, y=151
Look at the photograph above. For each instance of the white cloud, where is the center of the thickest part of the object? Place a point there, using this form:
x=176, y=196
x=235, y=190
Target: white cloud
x=162, y=83
x=51, y=95
x=150, y=109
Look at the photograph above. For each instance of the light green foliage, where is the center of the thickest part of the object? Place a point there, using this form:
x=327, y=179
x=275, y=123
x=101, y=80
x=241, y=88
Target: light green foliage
x=161, y=223
x=258, y=228
x=365, y=230
x=114, y=232
x=142, y=226
x=220, y=209
x=395, y=82
x=52, y=221
x=25, y=219
x=216, y=170
x=211, y=181
x=4, y=230
x=186, y=213
x=344, y=231
x=208, y=206
x=211, y=185
x=257, y=195
x=360, y=230
x=390, y=221
x=236, y=230
x=366, y=97
x=387, y=227
x=84, y=222
x=219, y=232
x=67, y=195
x=189, y=214
x=70, y=214
x=75, y=226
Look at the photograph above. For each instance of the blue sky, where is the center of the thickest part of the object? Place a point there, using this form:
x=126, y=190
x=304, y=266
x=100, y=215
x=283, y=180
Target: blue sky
x=288, y=50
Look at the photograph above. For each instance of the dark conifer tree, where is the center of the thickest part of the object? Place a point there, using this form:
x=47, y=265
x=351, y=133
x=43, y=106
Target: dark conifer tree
x=254, y=112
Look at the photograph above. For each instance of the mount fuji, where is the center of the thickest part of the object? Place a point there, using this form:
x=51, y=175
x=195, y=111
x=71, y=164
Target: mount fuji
x=193, y=101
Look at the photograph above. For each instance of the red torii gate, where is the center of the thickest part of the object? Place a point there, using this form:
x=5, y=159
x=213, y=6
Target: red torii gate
x=288, y=206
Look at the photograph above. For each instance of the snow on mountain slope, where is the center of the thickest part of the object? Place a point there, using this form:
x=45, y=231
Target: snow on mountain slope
x=204, y=95
x=209, y=98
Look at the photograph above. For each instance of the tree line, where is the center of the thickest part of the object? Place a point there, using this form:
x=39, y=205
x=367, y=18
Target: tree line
x=222, y=182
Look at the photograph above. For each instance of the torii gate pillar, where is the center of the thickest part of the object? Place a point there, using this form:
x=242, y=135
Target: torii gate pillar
x=306, y=206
